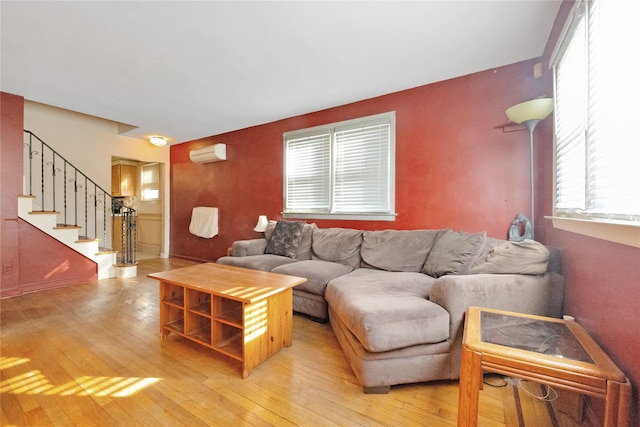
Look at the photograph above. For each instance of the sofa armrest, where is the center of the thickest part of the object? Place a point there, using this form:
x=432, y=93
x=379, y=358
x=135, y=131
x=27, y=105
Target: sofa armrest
x=248, y=247
x=541, y=295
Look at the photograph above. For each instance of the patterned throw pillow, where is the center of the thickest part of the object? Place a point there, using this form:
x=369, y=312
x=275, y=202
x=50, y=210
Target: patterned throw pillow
x=285, y=239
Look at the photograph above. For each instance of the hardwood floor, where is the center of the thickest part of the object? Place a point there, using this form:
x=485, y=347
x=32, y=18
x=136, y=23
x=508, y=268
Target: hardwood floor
x=91, y=354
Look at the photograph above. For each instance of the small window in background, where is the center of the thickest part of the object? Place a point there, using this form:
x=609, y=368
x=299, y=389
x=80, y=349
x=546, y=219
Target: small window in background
x=150, y=180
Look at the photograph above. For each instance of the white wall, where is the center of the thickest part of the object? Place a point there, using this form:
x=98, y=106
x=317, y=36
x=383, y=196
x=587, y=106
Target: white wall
x=89, y=142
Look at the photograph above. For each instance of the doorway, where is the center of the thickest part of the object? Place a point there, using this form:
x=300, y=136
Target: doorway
x=140, y=184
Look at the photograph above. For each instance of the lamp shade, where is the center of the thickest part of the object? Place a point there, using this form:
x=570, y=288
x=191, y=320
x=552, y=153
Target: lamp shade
x=536, y=109
x=261, y=226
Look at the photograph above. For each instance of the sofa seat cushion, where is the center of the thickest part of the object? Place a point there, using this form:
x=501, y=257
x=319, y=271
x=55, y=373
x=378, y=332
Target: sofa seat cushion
x=310, y=304
x=388, y=310
x=263, y=262
x=318, y=273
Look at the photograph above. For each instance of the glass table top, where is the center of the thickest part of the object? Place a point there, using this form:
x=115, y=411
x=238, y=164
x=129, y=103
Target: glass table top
x=551, y=338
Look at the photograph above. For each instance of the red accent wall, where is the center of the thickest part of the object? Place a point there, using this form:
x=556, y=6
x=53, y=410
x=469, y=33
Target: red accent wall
x=453, y=168
x=602, y=291
x=54, y=264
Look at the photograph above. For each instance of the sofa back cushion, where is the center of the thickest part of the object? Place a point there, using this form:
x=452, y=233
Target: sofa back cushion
x=397, y=250
x=271, y=226
x=340, y=245
x=454, y=253
x=506, y=257
x=304, y=249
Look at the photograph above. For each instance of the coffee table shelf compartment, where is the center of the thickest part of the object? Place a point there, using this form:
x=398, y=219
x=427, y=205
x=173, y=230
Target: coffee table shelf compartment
x=171, y=309
x=228, y=311
x=198, y=328
x=173, y=295
x=174, y=326
x=228, y=340
x=199, y=302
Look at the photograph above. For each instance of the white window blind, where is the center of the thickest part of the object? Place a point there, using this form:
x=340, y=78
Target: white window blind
x=596, y=93
x=362, y=169
x=341, y=170
x=308, y=173
x=570, y=124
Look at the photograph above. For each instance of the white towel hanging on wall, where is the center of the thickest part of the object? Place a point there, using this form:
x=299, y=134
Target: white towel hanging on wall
x=204, y=222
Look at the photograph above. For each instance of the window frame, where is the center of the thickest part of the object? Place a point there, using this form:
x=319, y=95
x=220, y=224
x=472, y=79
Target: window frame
x=388, y=118
x=596, y=224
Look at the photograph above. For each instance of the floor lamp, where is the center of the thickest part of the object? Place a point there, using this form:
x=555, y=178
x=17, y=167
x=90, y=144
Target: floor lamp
x=529, y=114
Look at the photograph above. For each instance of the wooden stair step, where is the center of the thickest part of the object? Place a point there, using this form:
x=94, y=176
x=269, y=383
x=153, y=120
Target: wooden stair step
x=83, y=239
x=65, y=226
x=106, y=251
x=44, y=213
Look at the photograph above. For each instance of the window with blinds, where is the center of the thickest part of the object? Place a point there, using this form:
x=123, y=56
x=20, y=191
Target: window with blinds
x=342, y=170
x=596, y=95
x=150, y=181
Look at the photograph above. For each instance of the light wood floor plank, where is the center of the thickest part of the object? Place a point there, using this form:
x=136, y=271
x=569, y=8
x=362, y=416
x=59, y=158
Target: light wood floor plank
x=11, y=410
x=97, y=350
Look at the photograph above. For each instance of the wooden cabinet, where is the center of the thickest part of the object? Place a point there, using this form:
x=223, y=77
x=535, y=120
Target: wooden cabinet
x=243, y=314
x=123, y=180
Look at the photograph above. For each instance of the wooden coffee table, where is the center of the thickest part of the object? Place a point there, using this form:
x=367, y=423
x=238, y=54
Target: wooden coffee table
x=241, y=313
x=546, y=350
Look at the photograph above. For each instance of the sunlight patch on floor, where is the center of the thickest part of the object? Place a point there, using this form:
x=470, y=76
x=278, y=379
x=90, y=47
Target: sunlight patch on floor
x=35, y=383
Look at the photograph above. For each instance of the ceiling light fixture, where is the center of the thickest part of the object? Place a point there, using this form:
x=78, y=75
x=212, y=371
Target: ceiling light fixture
x=158, y=141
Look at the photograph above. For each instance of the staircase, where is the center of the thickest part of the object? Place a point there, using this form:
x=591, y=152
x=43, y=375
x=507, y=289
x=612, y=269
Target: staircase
x=66, y=204
x=69, y=235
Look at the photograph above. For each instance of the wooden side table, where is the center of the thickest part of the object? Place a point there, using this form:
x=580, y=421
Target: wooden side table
x=546, y=350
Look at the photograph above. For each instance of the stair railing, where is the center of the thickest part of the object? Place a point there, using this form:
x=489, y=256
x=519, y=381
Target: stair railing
x=79, y=201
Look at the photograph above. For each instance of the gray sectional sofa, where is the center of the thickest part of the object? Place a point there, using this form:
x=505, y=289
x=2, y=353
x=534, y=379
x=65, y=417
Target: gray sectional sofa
x=396, y=299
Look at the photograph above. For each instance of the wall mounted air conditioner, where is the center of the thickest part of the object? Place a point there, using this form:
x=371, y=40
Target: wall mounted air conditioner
x=208, y=154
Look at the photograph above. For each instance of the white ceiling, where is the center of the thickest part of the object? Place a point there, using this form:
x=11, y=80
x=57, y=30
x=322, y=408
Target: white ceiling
x=191, y=69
